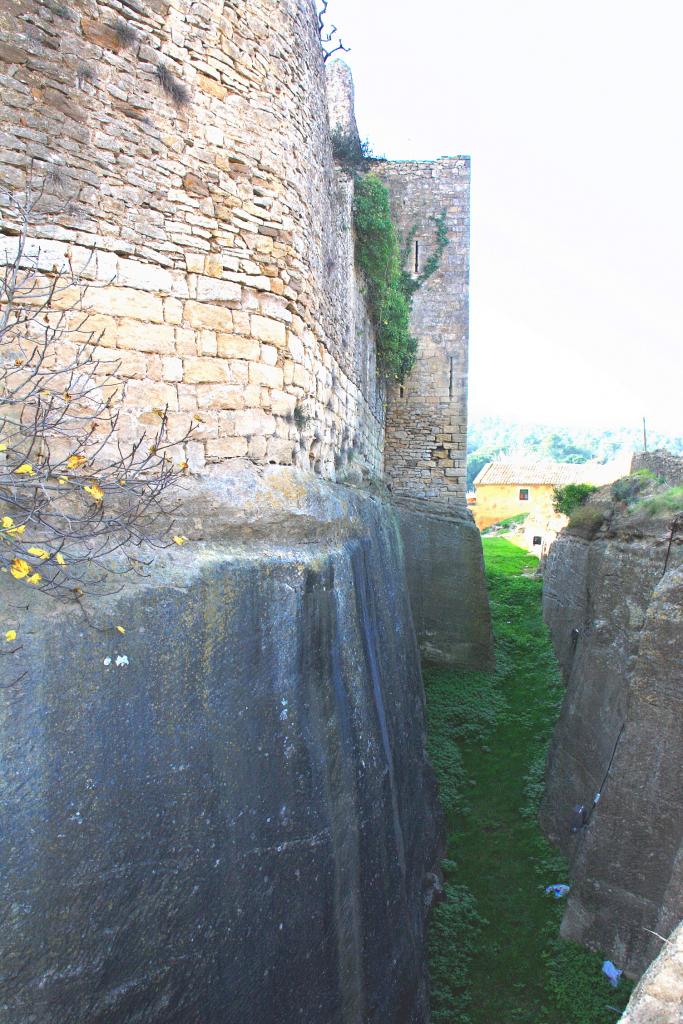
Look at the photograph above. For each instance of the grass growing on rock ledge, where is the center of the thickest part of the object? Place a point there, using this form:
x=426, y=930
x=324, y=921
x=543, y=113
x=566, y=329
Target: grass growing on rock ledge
x=494, y=948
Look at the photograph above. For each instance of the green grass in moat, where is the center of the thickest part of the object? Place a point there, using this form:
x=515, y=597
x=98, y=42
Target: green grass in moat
x=494, y=948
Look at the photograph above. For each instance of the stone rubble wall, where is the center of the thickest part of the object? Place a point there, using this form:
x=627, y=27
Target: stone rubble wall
x=216, y=234
x=661, y=463
x=426, y=434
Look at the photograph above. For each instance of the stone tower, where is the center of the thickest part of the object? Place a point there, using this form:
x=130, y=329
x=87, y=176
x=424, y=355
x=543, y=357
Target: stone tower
x=426, y=427
x=426, y=431
x=426, y=416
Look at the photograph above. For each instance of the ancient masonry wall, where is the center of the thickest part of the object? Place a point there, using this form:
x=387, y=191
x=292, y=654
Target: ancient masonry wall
x=216, y=233
x=426, y=432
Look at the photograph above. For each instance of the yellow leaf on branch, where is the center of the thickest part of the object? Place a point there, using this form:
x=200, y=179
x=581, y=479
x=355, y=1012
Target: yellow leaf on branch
x=38, y=552
x=9, y=527
x=180, y=540
x=19, y=568
x=74, y=461
x=10, y=635
x=3, y=447
x=25, y=469
x=59, y=559
x=35, y=578
x=95, y=491
x=121, y=629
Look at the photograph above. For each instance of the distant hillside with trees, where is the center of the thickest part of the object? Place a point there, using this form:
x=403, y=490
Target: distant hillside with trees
x=491, y=437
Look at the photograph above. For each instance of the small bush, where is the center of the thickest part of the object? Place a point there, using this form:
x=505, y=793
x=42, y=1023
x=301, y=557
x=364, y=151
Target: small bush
x=348, y=150
x=299, y=417
x=668, y=502
x=125, y=33
x=629, y=487
x=586, y=521
x=568, y=498
x=172, y=86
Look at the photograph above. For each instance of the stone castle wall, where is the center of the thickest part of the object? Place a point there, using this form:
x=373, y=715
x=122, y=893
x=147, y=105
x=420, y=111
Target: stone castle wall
x=217, y=231
x=426, y=435
x=661, y=463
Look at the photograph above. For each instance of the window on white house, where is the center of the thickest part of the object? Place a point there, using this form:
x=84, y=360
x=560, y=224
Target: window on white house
x=524, y=494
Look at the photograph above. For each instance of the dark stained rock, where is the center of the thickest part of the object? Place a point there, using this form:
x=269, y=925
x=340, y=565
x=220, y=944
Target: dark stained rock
x=615, y=610
x=238, y=824
x=445, y=569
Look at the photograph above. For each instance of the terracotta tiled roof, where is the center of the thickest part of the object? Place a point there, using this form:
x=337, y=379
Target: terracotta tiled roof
x=543, y=472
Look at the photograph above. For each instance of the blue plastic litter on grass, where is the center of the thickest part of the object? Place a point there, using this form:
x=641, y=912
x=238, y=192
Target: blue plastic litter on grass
x=558, y=891
x=612, y=973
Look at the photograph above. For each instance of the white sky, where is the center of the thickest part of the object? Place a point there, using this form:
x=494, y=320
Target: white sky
x=572, y=114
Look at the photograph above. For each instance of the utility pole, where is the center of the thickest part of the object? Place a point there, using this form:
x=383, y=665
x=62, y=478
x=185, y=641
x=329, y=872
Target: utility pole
x=644, y=436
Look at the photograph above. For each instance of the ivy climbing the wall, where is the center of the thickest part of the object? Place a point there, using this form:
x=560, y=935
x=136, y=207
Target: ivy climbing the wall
x=389, y=288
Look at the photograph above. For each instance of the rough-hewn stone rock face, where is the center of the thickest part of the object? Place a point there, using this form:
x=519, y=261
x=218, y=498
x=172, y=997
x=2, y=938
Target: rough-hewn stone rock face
x=444, y=564
x=218, y=231
x=658, y=997
x=238, y=823
x=614, y=605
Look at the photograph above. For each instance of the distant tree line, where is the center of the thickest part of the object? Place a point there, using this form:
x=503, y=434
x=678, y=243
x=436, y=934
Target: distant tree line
x=492, y=437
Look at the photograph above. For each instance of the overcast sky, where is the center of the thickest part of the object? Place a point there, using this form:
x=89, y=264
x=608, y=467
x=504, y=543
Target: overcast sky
x=572, y=115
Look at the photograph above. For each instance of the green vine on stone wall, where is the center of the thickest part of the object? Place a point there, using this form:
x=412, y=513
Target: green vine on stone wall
x=433, y=262
x=389, y=288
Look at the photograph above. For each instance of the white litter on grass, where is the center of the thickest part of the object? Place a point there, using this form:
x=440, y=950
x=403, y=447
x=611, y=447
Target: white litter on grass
x=121, y=659
x=612, y=973
x=107, y=662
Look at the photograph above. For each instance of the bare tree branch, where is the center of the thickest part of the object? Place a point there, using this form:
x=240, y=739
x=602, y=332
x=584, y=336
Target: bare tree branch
x=327, y=34
x=77, y=509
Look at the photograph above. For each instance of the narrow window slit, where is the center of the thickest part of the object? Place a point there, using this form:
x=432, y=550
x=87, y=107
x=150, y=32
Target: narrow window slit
x=450, y=381
x=417, y=256
x=401, y=391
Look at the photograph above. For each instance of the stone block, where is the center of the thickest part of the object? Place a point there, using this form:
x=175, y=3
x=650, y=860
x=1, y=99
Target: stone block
x=173, y=311
x=185, y=341
x=172, y=368
x=258, y=446
x=269, y=376
x=145, y=394
x=206, y=370
x=241, y=322
x=272, y=331
x=233, y=345
x=102, y=329
x=223, y=396
x=202, y=314
x=207, y=344
x=226, y=448
x=213, y=265
x=280, y=451
x=125, y=302
x=211, y=87
x=147, y=337
x=210, y=289
x=150, y=278
x=254, y=422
